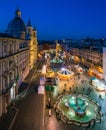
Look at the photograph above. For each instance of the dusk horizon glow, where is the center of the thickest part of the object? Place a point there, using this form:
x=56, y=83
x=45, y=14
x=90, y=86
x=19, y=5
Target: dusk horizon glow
x=58, y=19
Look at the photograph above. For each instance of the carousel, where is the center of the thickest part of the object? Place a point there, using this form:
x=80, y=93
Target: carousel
x=65, y=74
x=56, y=62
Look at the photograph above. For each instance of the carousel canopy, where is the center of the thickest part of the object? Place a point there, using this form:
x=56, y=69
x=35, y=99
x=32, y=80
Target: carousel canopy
x=65, y=72
x=56, y=59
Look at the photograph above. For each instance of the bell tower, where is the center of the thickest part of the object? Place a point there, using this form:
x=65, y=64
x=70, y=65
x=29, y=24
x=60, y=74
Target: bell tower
x=32, y=37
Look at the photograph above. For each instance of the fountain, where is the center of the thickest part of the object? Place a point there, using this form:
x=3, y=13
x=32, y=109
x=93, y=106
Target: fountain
x=77, y=109
x=78, y=105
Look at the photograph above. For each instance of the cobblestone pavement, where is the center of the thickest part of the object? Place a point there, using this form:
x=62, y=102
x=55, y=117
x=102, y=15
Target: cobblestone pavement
x=80, y=85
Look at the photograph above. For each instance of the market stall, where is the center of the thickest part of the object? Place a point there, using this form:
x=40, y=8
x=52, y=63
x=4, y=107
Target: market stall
x=79, y=69
x=99, y=86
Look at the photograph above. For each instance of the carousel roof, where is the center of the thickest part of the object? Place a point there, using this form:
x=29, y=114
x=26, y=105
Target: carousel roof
x=56, y=59
x=66, y=72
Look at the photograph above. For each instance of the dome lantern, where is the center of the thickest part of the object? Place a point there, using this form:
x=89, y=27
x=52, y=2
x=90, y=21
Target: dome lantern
x=18, y=13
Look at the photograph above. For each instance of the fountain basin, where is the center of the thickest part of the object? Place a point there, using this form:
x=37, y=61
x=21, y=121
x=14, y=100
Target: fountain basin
x=77, y=108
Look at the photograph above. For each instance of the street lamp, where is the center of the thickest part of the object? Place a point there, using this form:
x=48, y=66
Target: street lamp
x=44, y=70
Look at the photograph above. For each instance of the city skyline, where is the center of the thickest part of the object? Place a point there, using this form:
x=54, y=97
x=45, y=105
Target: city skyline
x=59, y=19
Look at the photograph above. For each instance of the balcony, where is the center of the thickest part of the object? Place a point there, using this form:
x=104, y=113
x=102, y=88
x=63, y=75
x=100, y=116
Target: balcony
x=8, y=87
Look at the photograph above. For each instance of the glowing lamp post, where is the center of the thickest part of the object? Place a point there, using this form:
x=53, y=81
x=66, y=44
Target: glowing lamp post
x=44, y=70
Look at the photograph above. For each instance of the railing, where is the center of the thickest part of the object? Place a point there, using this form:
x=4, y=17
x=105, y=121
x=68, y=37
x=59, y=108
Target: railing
x=14, y=53
x=12, y=67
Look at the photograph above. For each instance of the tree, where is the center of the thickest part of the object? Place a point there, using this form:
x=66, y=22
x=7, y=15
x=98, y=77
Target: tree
x=49, y=88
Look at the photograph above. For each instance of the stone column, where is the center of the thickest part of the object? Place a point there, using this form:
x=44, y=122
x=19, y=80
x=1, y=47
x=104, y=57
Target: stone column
x=104, y=63
x=1, y=95
x=4, y=102
x=0, y=89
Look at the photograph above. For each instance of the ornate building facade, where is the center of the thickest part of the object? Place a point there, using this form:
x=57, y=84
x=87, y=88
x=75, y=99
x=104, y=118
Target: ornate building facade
x=18, y=54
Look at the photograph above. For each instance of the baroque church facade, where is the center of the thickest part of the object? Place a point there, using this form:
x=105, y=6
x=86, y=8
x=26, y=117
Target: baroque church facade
x=18, y=55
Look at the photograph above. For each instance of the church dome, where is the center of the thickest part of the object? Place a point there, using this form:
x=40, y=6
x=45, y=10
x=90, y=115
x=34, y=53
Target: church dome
x=17, y=24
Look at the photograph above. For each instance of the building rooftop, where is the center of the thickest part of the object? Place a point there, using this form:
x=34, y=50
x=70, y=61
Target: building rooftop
x=5, y=35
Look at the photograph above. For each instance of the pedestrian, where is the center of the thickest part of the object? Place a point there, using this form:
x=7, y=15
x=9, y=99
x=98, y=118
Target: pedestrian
x=49, y=112
x=64, y=90
x=100, y=96
x=70, y=89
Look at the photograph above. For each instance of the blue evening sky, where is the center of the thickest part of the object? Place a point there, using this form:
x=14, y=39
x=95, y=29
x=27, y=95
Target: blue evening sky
x=59, y=19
